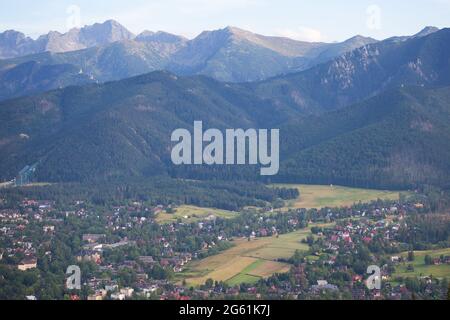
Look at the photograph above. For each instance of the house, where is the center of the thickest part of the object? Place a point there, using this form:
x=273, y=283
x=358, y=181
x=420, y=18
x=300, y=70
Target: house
x=164, y=262
x=98, y=295
x=145, y=293
x=263, y=232
x=118, y=296
x=322, y=282
x=367, y=240
x=92, y=238
x=127, y=292
x=111, y=287
x=323, y=285
x=177, y=269
x=123, y=294
x=93, y=247
x=437, y=261
x=186, y=257
x=27, y=264
x=427, y=279
x=88, y=255
x=48, y=229
x=119, y=244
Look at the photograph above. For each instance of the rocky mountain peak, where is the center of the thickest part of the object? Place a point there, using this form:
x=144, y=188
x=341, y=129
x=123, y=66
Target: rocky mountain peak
x=426, y=31
x=103, y=33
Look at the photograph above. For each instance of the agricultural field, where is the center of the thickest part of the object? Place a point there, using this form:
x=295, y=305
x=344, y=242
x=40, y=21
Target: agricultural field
x=421, y=269
x=190, y=214
x=315, y=196
x=247, y=261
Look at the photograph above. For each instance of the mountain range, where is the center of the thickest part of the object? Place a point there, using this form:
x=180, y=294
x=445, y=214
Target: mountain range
x=108, y=51
x=364, y=72
x=374, y=116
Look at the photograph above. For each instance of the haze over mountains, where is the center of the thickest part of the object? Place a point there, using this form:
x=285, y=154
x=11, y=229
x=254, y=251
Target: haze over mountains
x=108, y=51
x=362, y=112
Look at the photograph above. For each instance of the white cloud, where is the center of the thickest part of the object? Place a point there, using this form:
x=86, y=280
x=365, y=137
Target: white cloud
x=301, y=33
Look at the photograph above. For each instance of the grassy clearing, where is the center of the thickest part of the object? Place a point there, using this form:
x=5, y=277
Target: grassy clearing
x=243, y=278
x=190, y=214
x=314, y=196
x=247, y=261
x=282, y=247
x=221, y=267
x=30, y=185
x=268, y=268
x=421, y=269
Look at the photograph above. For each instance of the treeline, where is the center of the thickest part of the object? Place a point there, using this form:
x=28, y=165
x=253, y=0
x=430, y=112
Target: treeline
x=215, y=194
x=423, y=232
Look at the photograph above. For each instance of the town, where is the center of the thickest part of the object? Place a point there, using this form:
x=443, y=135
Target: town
x=127, y=252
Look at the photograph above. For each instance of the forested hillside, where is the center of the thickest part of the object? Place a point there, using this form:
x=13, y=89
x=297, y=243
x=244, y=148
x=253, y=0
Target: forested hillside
x=122, y=130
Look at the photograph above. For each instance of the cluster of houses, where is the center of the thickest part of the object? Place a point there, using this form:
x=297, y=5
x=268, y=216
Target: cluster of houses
x=27, y=263
x=95, y=245
x=323, y=285
x=110, y=291
x=13, y=224
x=136, y=215
x=144, y=288
x=437, y=261
x=347, y=236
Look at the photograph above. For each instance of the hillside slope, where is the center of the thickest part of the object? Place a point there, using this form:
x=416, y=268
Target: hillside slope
x=365, y=72
x=122, y=129
x=230, y=54
x=397, y=139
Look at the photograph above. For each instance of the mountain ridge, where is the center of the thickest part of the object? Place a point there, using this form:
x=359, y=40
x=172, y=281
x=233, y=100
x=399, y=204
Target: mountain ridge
x=364, y=72
x=230, y=54
x=122, y=129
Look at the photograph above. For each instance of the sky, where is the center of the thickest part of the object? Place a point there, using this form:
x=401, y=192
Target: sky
x=319, y=20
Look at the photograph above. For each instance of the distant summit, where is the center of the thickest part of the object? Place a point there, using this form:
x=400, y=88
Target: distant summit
x=104, y=33
x=423, y=33
x=15, y=44
x=426, y=31
x=86, y=37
